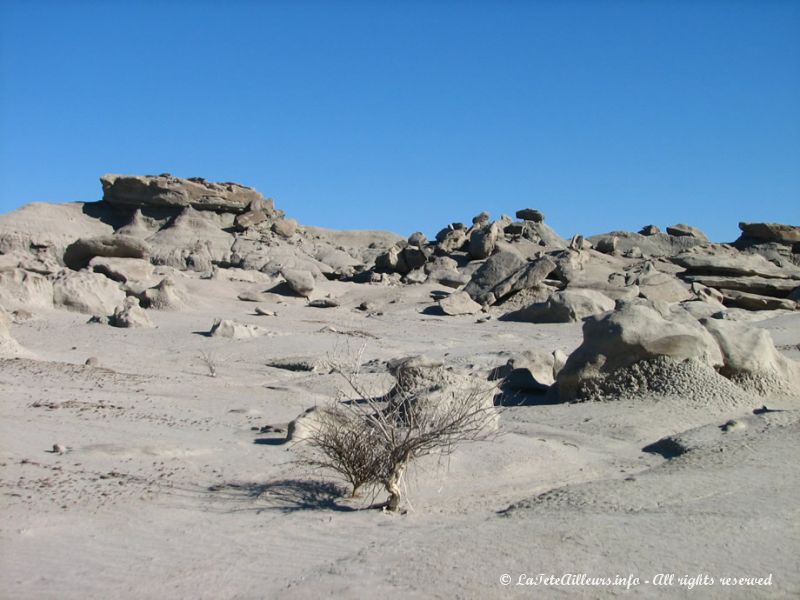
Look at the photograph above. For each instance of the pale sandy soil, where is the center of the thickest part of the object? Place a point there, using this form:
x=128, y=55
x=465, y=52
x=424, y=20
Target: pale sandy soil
x=167, y=491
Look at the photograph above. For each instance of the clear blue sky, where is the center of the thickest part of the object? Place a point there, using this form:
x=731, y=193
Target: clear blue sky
x=409, y=115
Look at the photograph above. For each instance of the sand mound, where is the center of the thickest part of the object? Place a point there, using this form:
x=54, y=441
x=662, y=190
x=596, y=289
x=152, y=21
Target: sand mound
x=689, y=381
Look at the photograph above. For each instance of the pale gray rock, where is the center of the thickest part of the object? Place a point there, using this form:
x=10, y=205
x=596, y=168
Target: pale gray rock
x=495, y=270
x=459, y=303
x=770, y=232
x=78, y=254
x=567, y=306
x=635, y=332
x=86, y=292
x=751, y=360
x=130, y=314
x=285, y=227
x=122, y=269
x=417, y=239
x=684, y=230
x=747, y=301
x=175, y=192
x=166, y=295
x=22, y=289
x=228, y=328
x=301, y=282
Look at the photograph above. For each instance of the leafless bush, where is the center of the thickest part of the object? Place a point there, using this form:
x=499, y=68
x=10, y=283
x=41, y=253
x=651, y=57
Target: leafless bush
x=372, y=440
x=210, y=361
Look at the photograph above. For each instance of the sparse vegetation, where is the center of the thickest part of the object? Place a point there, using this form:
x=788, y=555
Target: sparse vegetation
x=371, y=441
x=210, y=361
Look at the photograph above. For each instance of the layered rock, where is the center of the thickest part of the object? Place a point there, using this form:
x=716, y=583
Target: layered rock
x=166, y=191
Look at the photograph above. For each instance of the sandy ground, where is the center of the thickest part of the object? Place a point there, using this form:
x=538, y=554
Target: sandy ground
x=169, y=490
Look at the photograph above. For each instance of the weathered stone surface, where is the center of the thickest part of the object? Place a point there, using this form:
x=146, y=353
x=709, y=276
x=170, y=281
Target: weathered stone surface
x=122, y=269
x=86, y=292
x=567, y=306
x=175, y=192
x=654, y=245
x=766, y=286
x=657, y=285
x=301, y=282
x=707, y=294
x=167, y=295
x=78, y=254
x=417, y=239
x=285, y=227
x=22, y=289
x=606, y=244
x=749, y=301
x=459, y=303
x=683, y=230
x=130, y=314
x=771, y=232
x=451, y=240
x=631, y=334
x=751, y=360
x=482, y=242
x=248, y=219
x=495, y=270
x=530, y=214
x=736, y=264
x=228, y=328
x=530, y=276
x=649, y=230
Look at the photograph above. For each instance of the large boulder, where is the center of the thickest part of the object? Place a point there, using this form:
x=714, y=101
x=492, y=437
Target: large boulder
x=658, y=285
x=78, y=254
x=86, y=292
x=495, y=270
x=751, y=360
x=301, y=282
x=529, y=277
x=567, y=306
x=636, y=332
x=175, y=192
x=770, y=232
x=482, y=242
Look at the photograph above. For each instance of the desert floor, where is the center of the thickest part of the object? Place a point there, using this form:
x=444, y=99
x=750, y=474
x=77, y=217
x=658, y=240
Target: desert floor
x=169, y=490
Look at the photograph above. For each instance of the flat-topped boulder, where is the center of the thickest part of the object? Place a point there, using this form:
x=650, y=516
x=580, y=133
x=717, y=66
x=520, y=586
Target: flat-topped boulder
x=770, y=232
x=737, y=264
x=166, y=191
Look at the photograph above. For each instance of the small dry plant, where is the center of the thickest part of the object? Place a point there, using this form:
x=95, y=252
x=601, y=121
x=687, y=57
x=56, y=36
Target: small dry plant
x=371, y=440
x=210, y=361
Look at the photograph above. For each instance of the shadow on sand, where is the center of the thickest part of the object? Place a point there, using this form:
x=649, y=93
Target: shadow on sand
x=287, y=495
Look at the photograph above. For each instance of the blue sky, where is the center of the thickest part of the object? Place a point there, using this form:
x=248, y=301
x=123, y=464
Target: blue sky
x=409, y=115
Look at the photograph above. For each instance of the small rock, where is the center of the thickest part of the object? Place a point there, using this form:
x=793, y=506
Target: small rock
x=530, y=214
x=59, y=449
x=417, y=239
x=459, y=303
x=92, y=361
x=324, y=303
x=264, y=312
